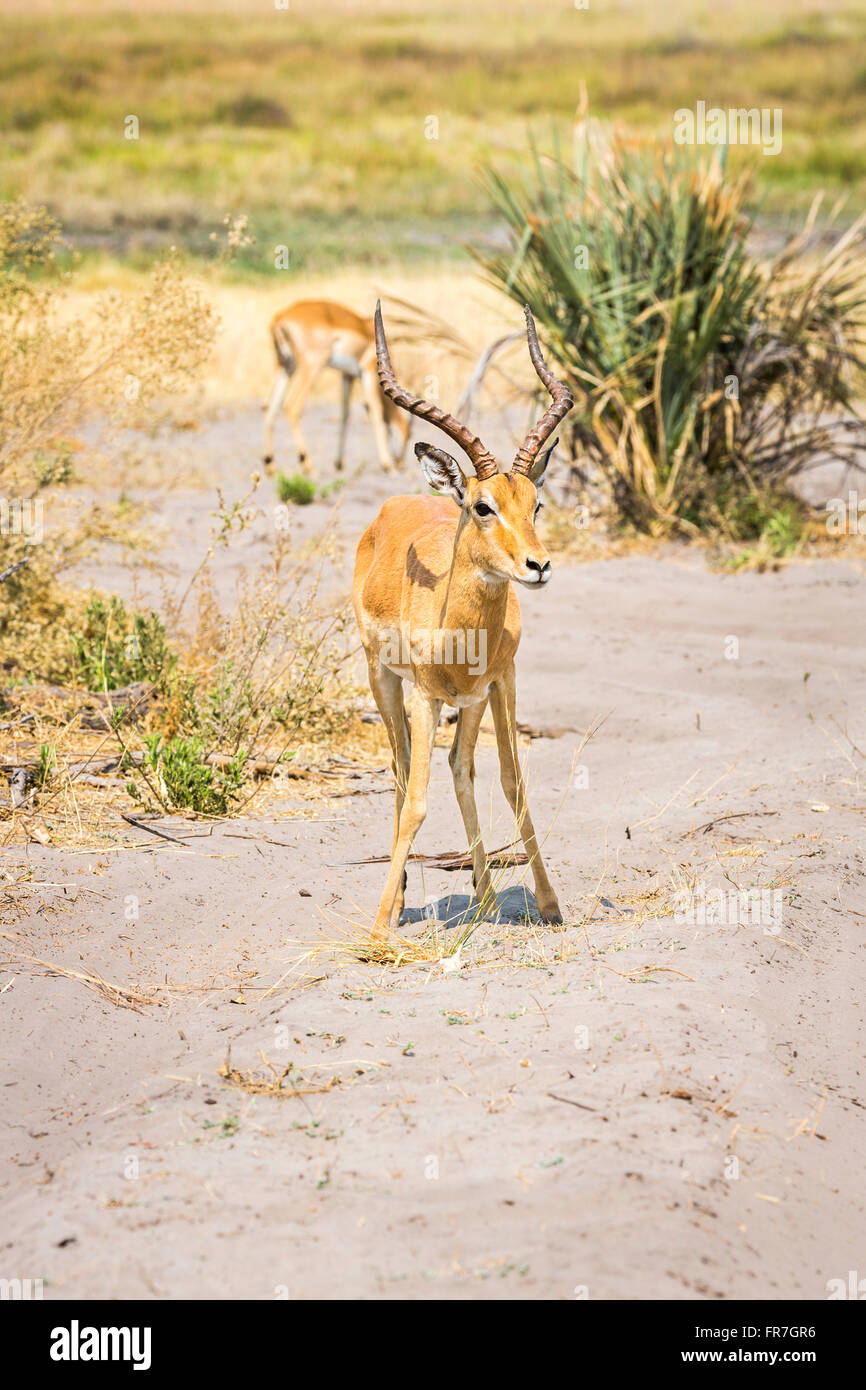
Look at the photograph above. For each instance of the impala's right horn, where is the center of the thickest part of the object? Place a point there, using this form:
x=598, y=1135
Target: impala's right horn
x=560, y=406
x=483, y=461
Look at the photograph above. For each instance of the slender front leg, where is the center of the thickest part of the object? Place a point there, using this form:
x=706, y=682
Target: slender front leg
x=423, y=721
x=377, y=416
x=503, y=703
x=387, y=688
x=462, y=761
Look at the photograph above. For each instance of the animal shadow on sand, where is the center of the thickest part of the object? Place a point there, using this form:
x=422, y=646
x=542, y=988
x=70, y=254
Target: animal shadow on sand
x=514, y=904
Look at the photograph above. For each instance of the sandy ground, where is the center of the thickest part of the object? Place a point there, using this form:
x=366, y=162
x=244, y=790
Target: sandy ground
x=675, y=1111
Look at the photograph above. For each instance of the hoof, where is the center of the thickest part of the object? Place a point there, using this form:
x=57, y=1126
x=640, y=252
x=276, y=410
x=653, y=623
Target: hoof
x=552, y=918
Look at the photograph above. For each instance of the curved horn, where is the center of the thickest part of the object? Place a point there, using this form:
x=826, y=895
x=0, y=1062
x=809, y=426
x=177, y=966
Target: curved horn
x=483, y=461
x=562, y=402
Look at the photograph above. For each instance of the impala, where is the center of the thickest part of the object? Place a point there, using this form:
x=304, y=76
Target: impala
x=308, y=337
x=436, y=568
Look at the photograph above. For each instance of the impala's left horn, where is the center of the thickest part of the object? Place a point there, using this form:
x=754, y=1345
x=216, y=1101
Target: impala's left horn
x=482, y=460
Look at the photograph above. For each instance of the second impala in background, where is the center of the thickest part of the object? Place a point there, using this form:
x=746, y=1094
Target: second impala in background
x=308, y=337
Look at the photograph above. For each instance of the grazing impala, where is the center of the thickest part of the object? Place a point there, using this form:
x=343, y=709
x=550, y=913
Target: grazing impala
x=308, y=337
x=433, y=598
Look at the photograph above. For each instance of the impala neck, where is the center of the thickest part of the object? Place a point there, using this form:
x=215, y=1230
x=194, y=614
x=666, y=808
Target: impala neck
x=473, y=599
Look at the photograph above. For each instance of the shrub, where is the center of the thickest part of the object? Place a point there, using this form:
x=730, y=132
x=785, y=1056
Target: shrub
x=703, y=378
x=54, y=369
x=259, y=682
x=256, y=111
x=296, y=488
x=178, y=772
x=253, y=686
x=116, y=648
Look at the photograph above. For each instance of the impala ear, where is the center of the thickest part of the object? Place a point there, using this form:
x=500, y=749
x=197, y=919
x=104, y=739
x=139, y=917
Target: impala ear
x=441, y=471
x=539, y=468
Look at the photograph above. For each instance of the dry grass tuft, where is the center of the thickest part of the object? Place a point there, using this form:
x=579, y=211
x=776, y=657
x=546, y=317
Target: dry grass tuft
x=290, y=1082
x=122, y=996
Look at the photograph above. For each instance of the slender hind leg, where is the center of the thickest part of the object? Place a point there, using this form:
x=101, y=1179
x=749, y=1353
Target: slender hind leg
x=302, y=383
x=462, y=761
x=504, y=705
x=281, y=385
x=346, y=396
x=424, y=718
x=403, y=426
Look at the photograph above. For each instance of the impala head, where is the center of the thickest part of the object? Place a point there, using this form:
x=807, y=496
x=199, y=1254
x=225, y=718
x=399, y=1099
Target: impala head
x=499, y=506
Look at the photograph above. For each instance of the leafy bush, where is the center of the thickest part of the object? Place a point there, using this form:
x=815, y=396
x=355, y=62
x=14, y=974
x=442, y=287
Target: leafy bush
x=184, y=779
x=54, y=368
x=296, y=488
x=116, y=648
x=255, y=685
x=703, y=377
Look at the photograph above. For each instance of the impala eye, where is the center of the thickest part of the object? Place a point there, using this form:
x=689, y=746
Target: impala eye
x=482, y=509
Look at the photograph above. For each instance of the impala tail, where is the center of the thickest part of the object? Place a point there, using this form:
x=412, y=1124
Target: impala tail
x=282, y=348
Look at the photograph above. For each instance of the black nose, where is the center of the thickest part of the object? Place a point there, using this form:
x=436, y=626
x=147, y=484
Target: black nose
x=543, y=570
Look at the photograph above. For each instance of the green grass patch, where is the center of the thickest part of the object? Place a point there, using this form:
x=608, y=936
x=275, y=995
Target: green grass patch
x=318, y=120
x=296, y=488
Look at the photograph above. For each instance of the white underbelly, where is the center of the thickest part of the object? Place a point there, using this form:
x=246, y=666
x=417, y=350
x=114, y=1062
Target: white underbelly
x=405, y=671
x=344, y=362
x=464, y=701
x=455, y=701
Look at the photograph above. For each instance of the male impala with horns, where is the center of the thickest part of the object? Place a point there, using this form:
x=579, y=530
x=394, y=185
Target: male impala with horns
x=445, y=566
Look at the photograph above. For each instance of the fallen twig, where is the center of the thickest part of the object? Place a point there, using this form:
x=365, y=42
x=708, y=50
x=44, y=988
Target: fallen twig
x=578, y=1103
x=14, y=723
x=449, y=860
x=11, y=569
x=151, y=829
x=534, y=731
x=733, y=815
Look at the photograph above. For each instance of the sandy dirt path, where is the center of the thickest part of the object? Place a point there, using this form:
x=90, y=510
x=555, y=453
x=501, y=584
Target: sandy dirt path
x=676, y=1111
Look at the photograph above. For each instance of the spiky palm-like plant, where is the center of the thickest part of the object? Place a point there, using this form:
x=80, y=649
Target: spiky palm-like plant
x=705, y=378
